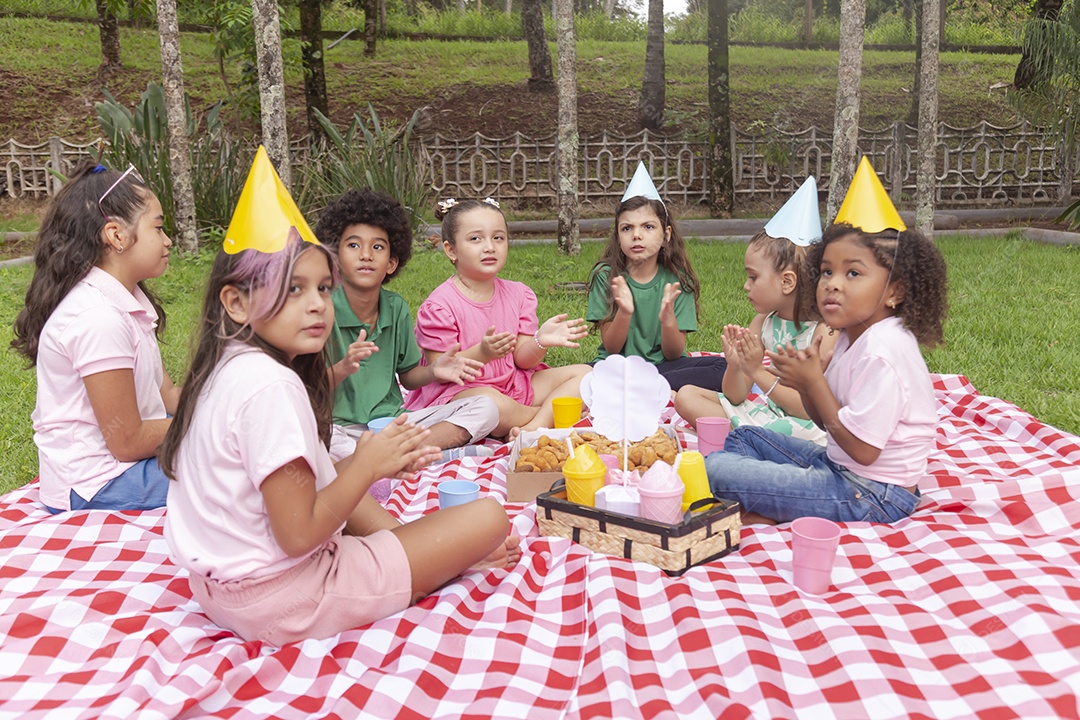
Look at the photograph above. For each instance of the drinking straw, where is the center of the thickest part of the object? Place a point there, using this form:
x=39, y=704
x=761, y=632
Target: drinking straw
x=570, y=446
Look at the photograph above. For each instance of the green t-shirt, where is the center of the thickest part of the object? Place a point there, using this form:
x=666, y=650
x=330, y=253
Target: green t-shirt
x=373, y=390
x=643, y=338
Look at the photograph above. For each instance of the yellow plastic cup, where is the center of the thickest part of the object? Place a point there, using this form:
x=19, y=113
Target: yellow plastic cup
x=567, y=411
x=694, y=477
x=584, y=475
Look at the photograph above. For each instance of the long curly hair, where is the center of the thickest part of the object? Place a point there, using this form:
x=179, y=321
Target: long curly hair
x=914, y=261
x=248, y=271
x=368, y=207
x=70, y=243
x=673, y=254
x=786, y=255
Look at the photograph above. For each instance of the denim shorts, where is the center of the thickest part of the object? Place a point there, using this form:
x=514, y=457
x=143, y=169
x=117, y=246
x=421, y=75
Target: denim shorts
x=783, y=478
x=143, y=486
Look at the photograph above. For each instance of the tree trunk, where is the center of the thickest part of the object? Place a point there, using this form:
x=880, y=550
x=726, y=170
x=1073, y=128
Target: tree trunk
x=509, y=9
x=532, y=25
x=913, y=109
x=172, y=75
x=109, y=30
x=808, y=22
x=926, y=174
x=721, y=178
x=461, y=6
x=382, y=18
x=567, y=151
x=1027, y=71
x=653, y=86
x=845, y=148
x=275, y=134
x=609, y=8
x=371, y=26
x=311, y=54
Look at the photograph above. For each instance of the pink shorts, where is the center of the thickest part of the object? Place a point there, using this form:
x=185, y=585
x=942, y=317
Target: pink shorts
x=349, y=582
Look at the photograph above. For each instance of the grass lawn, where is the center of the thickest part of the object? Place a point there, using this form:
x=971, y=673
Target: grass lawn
x=1013, y=310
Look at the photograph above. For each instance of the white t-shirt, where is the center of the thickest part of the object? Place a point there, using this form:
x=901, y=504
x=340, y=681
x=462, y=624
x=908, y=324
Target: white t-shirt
x=888, y=402
x=252, y=417
x=98, y=327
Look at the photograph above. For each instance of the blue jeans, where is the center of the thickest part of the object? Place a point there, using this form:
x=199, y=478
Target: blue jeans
x=143, y=486
x=783, y=478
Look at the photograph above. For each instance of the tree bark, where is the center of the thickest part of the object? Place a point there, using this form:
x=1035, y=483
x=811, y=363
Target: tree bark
x=846, y=123
x=721, y=178
x=109, y=31
x=371, y=26
x=653, y=85
x=567, y=150
x=808, y=22
x=532, y=26
x=926, y=175
x=275, y=133
x=172, y=74
x=311, y=54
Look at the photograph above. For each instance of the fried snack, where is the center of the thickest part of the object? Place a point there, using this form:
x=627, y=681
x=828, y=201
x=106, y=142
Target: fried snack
x=549, y=454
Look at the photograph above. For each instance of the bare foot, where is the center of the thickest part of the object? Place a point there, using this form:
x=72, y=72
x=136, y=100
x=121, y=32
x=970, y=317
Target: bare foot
x=751, y=518
x=504, y=556
x=512, y=435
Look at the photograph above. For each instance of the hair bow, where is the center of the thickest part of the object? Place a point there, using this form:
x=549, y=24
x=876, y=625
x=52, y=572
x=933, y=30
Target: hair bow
x=492, y=201
x=445, y=205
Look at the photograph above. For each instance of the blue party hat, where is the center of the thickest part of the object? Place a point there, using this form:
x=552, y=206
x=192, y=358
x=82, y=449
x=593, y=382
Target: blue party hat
x=641, y=185
x=799, y=220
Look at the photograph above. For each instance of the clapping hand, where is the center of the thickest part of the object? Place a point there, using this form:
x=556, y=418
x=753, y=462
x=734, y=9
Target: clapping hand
x=730, y=340
x=398, y=451
x=751, y=350
x=798, y=369
x=496, y=345
x=557, y=331
x=453, y=368
x=667, y=303
x=620, y=292
x=357, y=352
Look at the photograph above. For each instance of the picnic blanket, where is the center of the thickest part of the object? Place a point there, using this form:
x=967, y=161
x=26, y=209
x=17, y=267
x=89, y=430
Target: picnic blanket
x=969, y=609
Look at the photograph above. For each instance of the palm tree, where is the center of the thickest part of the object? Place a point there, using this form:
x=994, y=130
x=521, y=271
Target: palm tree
x=1049, y=92
x=651, y=104
x=109, y=30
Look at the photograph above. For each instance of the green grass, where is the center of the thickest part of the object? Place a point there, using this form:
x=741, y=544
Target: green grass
x=1011, y=331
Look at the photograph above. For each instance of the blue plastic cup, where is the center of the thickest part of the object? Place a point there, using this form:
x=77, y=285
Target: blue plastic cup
x=377, y=424
x=457, y=492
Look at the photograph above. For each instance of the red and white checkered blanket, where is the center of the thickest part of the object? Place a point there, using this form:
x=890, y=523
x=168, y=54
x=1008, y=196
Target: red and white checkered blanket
x=970, y=608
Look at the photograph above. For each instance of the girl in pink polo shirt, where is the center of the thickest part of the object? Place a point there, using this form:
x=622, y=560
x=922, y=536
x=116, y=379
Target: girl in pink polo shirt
x=279, y=545
x=90, y=327
x=494, y=321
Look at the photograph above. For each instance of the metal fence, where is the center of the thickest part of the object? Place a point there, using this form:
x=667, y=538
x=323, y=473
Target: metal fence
x=979, y=166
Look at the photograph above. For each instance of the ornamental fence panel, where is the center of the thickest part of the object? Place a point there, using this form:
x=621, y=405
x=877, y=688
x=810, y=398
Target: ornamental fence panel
x=979, y=166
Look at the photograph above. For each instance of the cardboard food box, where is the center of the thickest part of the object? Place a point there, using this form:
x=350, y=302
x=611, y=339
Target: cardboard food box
x=525, y=486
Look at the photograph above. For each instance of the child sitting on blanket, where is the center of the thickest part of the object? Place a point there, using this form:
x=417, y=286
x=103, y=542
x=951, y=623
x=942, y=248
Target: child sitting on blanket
x=372, y=339
x=494, y=320
x=784, y=302
x=279, y=545
x=884, y=288
x=643, y=291
x=90, y=327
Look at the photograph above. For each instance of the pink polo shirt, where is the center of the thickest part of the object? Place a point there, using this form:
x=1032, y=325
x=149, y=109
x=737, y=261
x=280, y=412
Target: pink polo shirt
x=252, y=417
x=98, y=327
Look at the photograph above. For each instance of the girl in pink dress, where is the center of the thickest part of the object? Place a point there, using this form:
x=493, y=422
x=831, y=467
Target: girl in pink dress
x=495, y=322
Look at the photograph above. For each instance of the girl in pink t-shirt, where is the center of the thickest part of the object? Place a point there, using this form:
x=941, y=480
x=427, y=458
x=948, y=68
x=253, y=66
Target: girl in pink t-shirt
x=281, y=545
x=886, y=293
x=90, y=327
x=494, y=320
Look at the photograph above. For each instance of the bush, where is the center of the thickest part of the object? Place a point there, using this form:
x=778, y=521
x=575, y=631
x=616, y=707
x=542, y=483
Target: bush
x=366, y=155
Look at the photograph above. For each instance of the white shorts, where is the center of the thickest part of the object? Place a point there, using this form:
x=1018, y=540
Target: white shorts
x=477, y=415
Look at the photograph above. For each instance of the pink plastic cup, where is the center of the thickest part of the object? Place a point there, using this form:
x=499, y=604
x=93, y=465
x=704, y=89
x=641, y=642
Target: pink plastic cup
x=612, y=463
x=711, y=433
x=814, y=542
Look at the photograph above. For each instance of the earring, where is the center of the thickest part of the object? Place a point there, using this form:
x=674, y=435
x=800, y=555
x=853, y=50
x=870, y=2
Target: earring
x=891, y=304
x=119, y=249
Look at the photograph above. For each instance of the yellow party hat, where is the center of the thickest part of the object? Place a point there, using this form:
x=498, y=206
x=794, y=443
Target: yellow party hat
x=867, y=206
x=265, y=214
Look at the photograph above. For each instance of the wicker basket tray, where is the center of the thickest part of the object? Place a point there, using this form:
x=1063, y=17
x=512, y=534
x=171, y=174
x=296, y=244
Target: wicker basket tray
x=701, y=537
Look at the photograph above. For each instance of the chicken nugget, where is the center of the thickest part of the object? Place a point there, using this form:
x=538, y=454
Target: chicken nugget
x=524, y=466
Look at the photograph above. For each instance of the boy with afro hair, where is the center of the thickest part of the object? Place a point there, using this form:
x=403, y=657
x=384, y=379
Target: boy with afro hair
x=373, y=341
